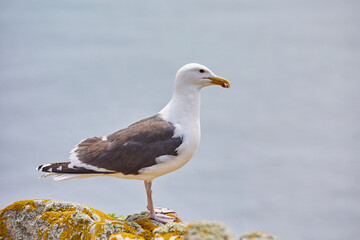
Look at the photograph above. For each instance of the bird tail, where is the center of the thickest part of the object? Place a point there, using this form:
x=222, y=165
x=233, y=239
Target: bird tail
x=63, y=171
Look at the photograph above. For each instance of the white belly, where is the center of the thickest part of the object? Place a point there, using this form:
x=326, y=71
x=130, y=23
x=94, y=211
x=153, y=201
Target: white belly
x=167, y=163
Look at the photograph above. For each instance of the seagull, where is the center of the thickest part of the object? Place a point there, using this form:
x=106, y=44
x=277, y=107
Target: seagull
x=149, y=148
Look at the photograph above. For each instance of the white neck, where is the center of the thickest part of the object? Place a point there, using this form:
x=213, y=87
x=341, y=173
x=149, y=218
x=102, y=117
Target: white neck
x=184, y=106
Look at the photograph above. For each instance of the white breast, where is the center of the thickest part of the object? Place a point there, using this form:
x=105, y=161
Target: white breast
x=183, y=111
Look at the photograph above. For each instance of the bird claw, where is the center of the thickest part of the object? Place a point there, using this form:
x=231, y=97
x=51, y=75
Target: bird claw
x=162, y=218
x=163, y=210
x=160, y=215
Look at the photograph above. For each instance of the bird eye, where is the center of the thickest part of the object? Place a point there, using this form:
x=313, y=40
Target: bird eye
x=202, y=70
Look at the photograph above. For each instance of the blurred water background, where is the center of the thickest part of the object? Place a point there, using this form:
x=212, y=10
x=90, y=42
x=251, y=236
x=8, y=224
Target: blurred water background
x=280, y=150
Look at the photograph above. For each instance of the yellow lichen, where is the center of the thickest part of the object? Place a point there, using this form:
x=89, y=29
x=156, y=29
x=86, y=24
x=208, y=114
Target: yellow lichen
x=91, y=213
x=206, y=229
x=172, y=230
x=20, y=205
x=99, y=229
x=254, y=235
x=101, y=215
x=83, y=222
x=257, y=235
x=167, y=236
x=177, y=219
x=31, y=206
x=147, y=226
x=75, y=228
x=127, y=227
x=3, y=227
x=117, y=236
x=43, y=234
x=78, y=224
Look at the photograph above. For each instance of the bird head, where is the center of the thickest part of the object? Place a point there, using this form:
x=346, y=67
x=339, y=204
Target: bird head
x=194, y=74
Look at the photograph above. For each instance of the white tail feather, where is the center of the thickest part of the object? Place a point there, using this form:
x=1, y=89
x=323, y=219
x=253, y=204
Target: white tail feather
x=66, y=176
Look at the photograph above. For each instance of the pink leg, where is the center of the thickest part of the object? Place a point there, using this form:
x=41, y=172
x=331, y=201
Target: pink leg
x=155, y=216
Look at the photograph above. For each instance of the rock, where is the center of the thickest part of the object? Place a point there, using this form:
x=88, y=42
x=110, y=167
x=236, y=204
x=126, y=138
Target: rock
x=52, y=219
x=208, y=231
x=174, y=230
x=257, y=235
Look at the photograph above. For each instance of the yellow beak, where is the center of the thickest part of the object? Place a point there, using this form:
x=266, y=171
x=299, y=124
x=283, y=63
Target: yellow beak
x=220, y=81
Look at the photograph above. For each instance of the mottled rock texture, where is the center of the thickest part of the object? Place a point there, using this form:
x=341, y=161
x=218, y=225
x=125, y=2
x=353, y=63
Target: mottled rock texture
x=257, y=235
x=51, y=219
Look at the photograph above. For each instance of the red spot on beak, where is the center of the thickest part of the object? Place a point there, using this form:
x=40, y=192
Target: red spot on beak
x=225, y=85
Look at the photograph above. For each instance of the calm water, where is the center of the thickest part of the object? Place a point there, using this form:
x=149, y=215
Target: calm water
x=280, y=149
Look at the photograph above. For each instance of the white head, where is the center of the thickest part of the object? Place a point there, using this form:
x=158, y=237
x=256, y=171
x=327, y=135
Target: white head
x=198, y=76
x=184, y=106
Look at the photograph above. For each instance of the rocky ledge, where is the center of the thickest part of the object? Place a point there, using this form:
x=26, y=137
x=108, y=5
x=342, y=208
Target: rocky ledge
x=52, y=219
